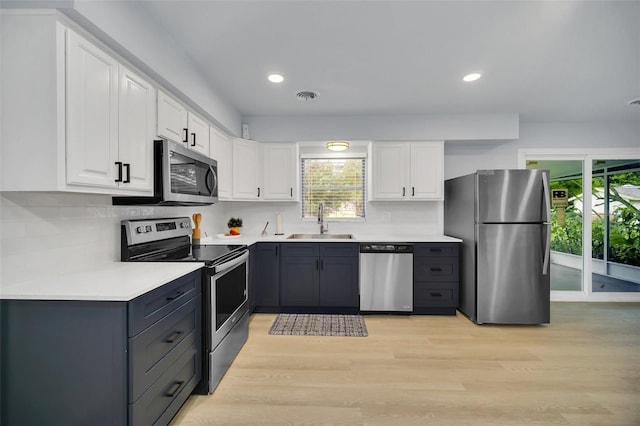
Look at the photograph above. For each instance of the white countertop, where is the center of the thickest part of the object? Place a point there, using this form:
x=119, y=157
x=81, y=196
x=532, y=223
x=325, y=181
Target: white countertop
x=358, y=238
x=117, y=281
x=124, y=281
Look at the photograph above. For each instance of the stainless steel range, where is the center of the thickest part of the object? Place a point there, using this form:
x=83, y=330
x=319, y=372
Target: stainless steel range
x=225, y=281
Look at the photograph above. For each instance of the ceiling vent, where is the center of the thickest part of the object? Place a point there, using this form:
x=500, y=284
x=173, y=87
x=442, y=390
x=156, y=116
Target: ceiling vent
x=635, y=102
x=306, y=95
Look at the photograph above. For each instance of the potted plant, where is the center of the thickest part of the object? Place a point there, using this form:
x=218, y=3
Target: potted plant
x=234, y=224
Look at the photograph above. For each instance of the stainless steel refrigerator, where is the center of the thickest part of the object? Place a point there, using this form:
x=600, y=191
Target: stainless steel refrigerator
x=503, y=218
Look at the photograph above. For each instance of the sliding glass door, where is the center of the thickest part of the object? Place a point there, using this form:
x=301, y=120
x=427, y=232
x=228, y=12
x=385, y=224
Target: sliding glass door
x=595, y=238
x=615, y=225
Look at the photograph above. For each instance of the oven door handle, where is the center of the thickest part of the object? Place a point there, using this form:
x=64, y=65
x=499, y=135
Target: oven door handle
x=231, y=263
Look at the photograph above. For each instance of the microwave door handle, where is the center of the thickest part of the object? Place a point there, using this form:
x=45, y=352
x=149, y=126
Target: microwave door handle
x=210, y=181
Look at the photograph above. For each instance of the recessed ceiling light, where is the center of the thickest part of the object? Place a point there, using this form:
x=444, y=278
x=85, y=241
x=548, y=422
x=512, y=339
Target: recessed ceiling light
x=276, y=78
x=471, y=77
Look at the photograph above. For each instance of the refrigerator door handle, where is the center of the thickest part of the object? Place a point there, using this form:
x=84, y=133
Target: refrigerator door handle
x=547, y=250
x=547, y=223
x=546, y=195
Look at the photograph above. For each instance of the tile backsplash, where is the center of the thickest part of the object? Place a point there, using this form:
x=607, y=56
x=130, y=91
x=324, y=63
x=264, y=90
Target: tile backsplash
x=44, y=234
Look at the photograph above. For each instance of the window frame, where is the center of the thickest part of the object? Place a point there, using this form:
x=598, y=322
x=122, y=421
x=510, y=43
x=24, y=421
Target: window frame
x=337, y=156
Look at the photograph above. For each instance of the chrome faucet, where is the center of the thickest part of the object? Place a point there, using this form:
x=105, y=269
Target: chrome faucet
x=323, y=227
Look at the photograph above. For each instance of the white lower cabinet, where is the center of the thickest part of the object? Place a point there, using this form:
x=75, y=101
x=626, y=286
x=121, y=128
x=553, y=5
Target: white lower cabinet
x=264, y=171
x=407, y=171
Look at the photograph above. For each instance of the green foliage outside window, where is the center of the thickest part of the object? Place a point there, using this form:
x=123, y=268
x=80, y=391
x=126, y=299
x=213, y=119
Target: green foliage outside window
x=624, y=221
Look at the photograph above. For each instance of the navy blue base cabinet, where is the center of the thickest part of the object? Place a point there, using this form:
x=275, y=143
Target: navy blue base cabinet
x=101, y=363
x=319, y=277
x=436, y=278
x=266, y=280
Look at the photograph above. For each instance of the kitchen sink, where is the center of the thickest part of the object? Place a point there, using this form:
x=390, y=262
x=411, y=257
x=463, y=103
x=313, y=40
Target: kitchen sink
x=320, y=236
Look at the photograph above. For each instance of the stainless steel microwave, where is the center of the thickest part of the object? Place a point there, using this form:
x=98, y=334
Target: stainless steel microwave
x=182, y=177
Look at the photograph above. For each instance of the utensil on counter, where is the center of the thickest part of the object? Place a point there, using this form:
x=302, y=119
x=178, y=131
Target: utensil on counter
x=195, y=236
x=264, y=231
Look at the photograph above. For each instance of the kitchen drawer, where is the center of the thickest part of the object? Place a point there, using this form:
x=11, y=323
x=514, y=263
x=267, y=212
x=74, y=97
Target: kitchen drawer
x=440, y=294
x=339, y=249
x=435, y=268
x=157, y=347
x=165, y=397
x=299, y=249
x=158, y=303
x=436, y=249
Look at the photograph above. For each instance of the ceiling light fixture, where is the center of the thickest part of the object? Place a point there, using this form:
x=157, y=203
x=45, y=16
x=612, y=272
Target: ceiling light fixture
x=337, y=145
x=276, y=78
x=472, y=77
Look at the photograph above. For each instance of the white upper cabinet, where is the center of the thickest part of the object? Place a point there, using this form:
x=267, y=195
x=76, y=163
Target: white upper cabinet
x=247, y=173
x=172, y=119
x=109, y=120
x=92, y=114
x=198, y=137
x=407, y=171
x=75, y=118
x=220, y=150
x=264, y=171
x=176, y=123
x=136, y=126
x=280, y=171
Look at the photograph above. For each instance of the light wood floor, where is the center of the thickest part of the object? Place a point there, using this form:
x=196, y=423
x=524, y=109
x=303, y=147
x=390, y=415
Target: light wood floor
x=582, y=369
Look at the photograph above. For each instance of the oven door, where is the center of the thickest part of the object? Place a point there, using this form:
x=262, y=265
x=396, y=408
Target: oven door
x=228, y=297
x=188, y=176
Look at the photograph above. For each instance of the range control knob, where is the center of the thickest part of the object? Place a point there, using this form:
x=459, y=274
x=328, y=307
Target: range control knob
x=147, y=228
x=184, y=225
x=140, y=230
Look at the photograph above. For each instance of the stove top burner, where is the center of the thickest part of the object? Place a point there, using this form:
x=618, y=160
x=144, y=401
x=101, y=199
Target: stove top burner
x=168, y=240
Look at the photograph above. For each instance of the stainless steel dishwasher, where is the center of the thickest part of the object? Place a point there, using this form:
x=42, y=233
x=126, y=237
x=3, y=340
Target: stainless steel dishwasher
x=386, y=277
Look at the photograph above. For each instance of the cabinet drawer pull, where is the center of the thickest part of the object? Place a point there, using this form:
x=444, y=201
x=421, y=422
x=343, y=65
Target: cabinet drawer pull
x=413, y=191
x=436, y=269
x=321, y=263
x=119, y=164
x=403, y=191
x=291, y=192
x=317, y=264
x=186, y=135
x=258, y=192
x=172, y=337
x=194, y=139
x=437, y=250
x=127, y=167
x=175, y=296
x=173, y=390
x=436, y=294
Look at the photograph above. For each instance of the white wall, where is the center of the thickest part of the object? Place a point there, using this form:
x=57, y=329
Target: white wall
x=466, y=157
x=409, y=127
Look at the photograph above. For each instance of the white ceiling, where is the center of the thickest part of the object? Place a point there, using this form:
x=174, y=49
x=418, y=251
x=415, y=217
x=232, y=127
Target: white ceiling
x=547, y=60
